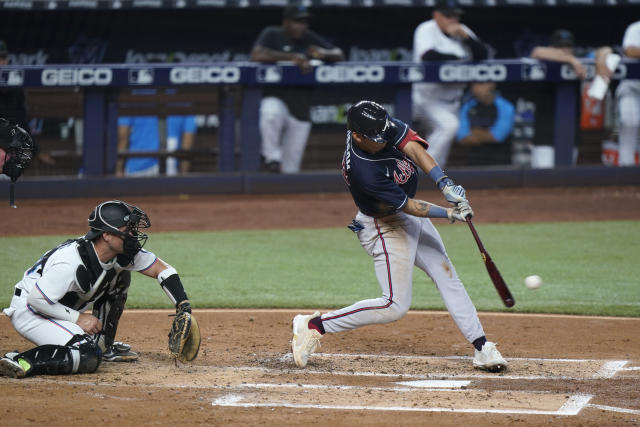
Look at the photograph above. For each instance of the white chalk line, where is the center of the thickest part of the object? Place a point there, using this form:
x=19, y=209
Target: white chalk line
x=573, y=406
x=614, y=409
x=631, y=368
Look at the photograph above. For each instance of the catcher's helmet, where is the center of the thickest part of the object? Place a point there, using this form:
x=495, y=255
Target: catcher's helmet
x=109, y=216
x=369, y=119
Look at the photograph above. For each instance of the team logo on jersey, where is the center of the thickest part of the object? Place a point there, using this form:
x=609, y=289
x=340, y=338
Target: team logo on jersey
x=406, y=170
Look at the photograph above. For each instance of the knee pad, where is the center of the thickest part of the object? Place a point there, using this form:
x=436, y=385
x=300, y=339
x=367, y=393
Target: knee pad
x=50, y=359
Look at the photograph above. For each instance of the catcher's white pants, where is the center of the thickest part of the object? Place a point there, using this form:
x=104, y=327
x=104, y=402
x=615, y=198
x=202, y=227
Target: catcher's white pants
x=38, y=328
x=441, y=117
x=284, y=137
x=629, y=113
x=397, y=243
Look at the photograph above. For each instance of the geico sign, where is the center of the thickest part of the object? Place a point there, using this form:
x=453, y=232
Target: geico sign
x=349, y=73
x=77, y=76
x=480, y=72
x=204, y=75
x=568, y=73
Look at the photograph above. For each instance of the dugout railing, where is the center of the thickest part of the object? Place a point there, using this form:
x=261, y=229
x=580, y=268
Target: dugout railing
x=232, y=91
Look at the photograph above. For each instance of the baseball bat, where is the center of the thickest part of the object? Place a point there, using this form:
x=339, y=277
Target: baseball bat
x=493, y=271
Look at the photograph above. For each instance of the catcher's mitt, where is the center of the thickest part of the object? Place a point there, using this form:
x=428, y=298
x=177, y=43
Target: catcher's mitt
x=184, y=336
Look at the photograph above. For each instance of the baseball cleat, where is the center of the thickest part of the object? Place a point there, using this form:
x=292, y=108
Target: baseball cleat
x=489, y=358
x=11, y=368
x=305, y=340
x=119, y=352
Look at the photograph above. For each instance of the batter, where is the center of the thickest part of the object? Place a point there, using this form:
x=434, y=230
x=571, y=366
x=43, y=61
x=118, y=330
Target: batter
x=380, y=166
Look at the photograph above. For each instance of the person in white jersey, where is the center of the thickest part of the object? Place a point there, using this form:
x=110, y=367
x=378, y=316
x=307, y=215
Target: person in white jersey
x=628, y=99
x=436, y=105
x=380, y=166
x=49, y=304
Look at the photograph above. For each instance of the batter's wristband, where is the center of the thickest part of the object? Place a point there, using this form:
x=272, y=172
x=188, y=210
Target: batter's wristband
x=438, y=176
x=436, y=211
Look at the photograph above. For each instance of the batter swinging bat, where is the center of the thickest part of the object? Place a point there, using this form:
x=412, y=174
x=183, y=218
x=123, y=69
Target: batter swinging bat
x=495, y=275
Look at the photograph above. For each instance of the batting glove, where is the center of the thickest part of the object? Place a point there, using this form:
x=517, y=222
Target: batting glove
x=454, y=193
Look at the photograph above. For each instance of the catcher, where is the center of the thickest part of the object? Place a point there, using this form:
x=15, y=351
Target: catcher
x=50, y=303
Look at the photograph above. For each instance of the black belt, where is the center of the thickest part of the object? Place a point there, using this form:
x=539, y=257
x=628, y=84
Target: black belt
x=17, y=292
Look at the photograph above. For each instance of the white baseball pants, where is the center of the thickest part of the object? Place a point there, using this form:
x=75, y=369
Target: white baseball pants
x=284, y=137
x=441, y=117
x=629, y=113
x=397, y=243
x=38, y=328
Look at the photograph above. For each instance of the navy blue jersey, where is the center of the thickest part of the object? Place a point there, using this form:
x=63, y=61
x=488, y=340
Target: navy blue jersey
x=382, y=183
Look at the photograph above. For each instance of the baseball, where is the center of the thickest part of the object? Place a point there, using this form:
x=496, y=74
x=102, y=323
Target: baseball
x=533, y=282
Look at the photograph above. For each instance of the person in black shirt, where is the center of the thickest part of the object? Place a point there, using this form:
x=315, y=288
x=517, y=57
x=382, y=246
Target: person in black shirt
x=284, y=111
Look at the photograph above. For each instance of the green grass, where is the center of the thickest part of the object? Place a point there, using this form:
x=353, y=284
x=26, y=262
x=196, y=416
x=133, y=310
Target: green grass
x=587, y=267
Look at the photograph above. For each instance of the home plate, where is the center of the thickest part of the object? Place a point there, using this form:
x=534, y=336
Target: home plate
x=435, y=383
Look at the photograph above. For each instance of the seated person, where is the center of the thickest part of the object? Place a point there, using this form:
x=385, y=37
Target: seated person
x=486, y=121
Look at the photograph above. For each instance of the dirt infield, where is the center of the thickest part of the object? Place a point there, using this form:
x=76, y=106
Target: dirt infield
x=565, y=370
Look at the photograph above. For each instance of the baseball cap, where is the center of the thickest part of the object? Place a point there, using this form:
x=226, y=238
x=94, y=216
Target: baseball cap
x=296, y=11
x=3, y=49
x=448, y=7
x=562, y=38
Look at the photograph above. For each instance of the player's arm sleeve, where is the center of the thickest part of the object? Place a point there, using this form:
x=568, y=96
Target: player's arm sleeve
x=503, y=125
x=404, y=134
x=434, y=55
x=479, y=50
x=46, y=293
x=465, y=124
x=142, y=261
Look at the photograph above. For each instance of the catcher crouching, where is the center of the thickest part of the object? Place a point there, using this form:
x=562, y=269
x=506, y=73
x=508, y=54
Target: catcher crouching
x=51, y=303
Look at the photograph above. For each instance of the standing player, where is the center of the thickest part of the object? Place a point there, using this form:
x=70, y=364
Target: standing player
x=435, y=105
x=628, y=96
x=49, y=303
x=380, y=166
x=285, y=123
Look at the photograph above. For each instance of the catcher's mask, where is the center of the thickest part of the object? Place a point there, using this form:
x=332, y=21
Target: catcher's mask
x=109, y=216
x=369, y=119
x=19, y=147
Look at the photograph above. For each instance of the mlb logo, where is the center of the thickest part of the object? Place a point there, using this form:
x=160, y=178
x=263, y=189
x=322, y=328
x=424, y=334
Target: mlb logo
x=270, y=74
x=411, y=74
x=534, y=71
x=11, y=78
x=141, y=76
